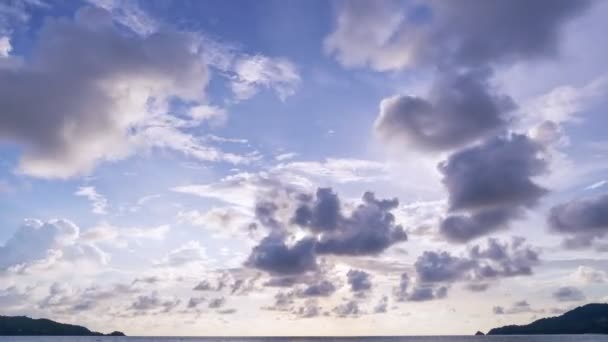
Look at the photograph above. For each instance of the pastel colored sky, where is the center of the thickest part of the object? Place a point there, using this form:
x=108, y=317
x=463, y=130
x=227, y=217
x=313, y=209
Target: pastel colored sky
x=284, y=167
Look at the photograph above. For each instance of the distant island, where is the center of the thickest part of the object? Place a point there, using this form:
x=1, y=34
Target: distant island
x=25, y=326
x=587, y=319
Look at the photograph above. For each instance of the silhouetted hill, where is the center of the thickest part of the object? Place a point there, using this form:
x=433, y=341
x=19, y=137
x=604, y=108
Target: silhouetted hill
x=587, y=319
x=25, y=326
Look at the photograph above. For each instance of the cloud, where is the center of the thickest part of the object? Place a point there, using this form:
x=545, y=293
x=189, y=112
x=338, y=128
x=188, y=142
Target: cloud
x=46, y=243
x=216, y=303
x=254, y=72
x=310, y=309
x=153, y=303
x=427, y=292
x=393, y=35
x=336, y=170
x=98, y=100
x=461, y=108
x=516, y=308
x=582, y=221
x=359, y=281
x=568, y=294
x=99, y=202
x=5, y=46
x=493, y=183
x=436, y=270
x=368, y=229
x=324, y=288
x=275, y=256
x=190, y=252
x=589, y=275
x=432, y=267
x=350, y=308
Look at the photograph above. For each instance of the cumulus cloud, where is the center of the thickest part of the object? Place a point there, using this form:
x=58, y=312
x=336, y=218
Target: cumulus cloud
x=97, y=99
x=582, y=221
x=275, y=256
x=436, y=270
x=589, y=275
x=369, y=229
x=461, y=108
x=394, y=35
x=359, y=281
x=38, y=242
x=323, y=288
x=350, y=308
x=492, y=183
x=568, y=294
x=153, y=303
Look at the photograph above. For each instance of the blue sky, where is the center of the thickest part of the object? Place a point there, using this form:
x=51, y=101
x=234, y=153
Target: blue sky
x=302, y=167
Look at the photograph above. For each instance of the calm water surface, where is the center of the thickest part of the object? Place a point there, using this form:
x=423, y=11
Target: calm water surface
x=537, y=338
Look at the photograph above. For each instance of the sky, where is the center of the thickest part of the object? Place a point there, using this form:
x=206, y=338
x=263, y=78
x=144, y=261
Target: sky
x=302, y=167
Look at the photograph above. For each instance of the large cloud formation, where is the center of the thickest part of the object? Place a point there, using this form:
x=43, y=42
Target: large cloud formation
x=86, y=85
x=47, y=243
x=369, y=229
x=394, y=35
x=583, y=221
x=461, y=108
x=491, y=183
x=437, y=270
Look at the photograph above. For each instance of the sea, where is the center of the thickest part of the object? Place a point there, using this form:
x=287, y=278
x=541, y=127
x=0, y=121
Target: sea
x=518, y=338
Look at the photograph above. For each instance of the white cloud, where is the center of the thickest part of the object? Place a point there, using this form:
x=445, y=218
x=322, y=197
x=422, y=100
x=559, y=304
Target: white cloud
x=337, y=170
x=189, y=253
x=589, y=275
x=121, y=236
x=255, y=72
x=5, y=46
x=98, y=201
x=38, y=243
x=222, y=222
x=285, y=156
x=597, y=185
x=99, y=99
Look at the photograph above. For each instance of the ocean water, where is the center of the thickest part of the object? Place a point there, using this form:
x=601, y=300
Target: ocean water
x=521, y=338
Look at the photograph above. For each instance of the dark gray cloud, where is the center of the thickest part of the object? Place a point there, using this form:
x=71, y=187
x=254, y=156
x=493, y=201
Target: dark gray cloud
x=482, y=265
x=323, y=214
x=324, y=288
x=492, y=183
x=368, y=230
x=568, y=294
x=494, y=174
x=434, y=267
x=582, y=221
x=153, y=302
x=427, y=292
x=359, y=281
x=461, y=108
x=275, y=256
